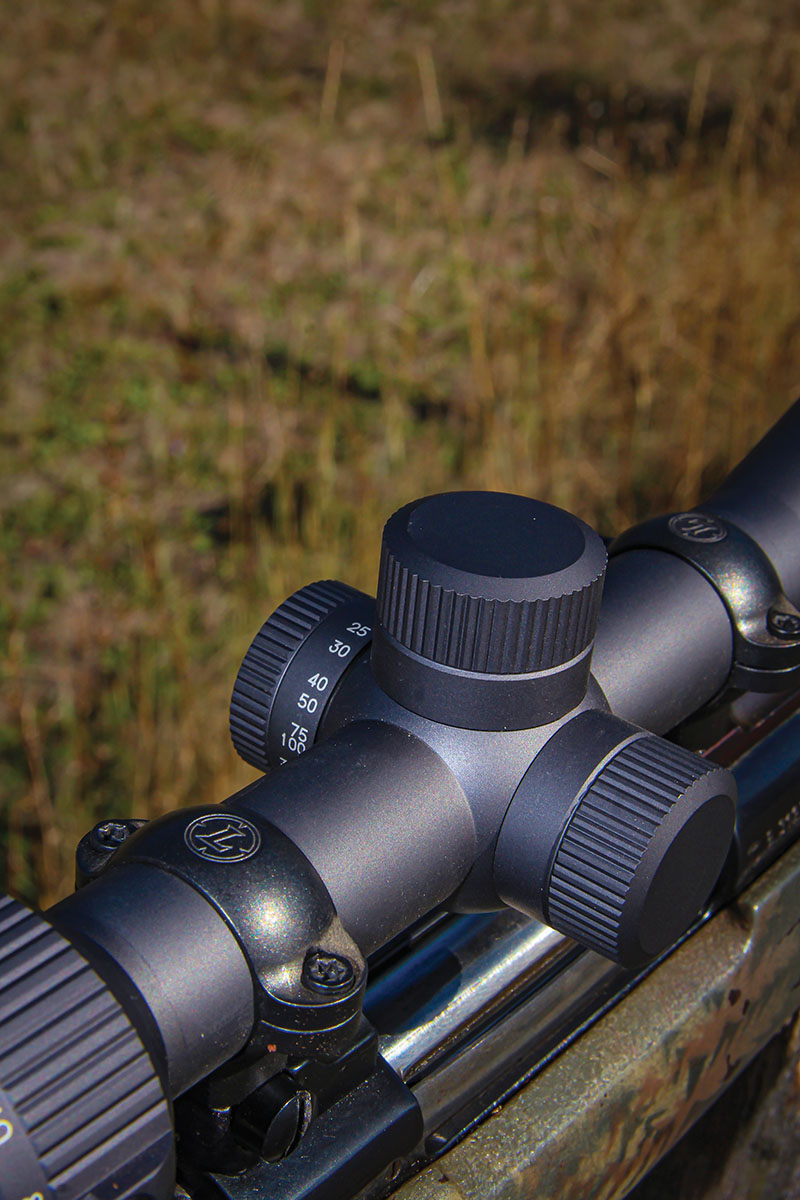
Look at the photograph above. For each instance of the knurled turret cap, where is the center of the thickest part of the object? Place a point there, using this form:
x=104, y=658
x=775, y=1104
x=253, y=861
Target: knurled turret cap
x=642, y=850
x=490, y=582
x=86, y=1109
x=267, y=658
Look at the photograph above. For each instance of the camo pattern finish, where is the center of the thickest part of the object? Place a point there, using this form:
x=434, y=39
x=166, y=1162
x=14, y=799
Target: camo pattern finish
x=594, y=1121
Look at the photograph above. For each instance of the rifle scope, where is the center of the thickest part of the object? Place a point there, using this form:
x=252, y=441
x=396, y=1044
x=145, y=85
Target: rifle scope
x=485, y=733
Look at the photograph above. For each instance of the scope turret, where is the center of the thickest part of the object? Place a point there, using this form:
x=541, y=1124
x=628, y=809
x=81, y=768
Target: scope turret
x=487, y=607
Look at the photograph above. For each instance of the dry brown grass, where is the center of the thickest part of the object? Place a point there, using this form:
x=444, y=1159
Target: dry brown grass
x=267, y=271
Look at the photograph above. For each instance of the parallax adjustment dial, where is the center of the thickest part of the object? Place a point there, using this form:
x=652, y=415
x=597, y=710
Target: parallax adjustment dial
x=291, y=669
x=486, y=610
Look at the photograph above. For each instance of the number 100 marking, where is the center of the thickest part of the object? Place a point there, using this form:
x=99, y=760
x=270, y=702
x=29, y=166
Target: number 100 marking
x=297, y=740
x=6, y=1130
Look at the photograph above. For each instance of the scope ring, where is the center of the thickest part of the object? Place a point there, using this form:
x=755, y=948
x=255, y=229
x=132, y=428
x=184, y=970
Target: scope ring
x=766, y=625
x=309, y=974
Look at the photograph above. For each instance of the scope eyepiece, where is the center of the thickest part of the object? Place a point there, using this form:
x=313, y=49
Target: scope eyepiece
x=83, y=1110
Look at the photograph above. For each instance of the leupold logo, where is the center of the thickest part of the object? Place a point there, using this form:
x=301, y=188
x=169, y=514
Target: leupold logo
x=222, y=837
x=698, y=527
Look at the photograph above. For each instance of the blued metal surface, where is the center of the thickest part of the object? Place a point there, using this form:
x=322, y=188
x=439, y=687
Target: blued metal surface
x=768, y=815
x=594, y=1121
x=463, y=974
x=455, y=1092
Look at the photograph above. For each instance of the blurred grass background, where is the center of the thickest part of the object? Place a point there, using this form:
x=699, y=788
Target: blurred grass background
x=268, y=271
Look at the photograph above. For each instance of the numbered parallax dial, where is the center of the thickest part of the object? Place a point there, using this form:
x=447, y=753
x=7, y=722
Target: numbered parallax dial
x=291, y=669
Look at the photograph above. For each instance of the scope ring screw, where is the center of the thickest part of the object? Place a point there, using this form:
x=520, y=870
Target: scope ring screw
x=273, y=1119
x=97, y=848
x=328, y=973
x=783, y=624
x=111, y=834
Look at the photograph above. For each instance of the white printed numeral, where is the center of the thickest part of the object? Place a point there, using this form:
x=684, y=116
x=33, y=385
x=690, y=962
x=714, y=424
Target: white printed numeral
x=297, y=740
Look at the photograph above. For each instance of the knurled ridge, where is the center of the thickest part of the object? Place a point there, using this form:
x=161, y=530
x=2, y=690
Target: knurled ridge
x=473, y=633
x=73, y=1065
x=608, y=835
x=270, y=652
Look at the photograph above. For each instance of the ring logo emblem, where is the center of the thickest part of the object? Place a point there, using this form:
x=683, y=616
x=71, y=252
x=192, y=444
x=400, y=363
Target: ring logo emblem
x=698, y=527
x=222, y=837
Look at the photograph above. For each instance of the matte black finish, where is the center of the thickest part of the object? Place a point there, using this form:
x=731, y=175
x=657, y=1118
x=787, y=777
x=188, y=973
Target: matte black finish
x=243, y=929
x=478, y=701
x=82, y=1106
x=766, y=626
x=544, y=802
x=656, y=670
x=343, y=1150
x=615, y=837
x=382, y=818
x=642, y=851
x=97, y=847
x=261, y=885
x=478, y=593
x=291, y=669
x=181, y=956
x=273, y=1119
x=488, y=765
x=762, y=496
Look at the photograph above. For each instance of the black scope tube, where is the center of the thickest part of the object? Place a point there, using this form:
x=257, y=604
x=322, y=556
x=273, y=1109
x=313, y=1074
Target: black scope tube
x=762, y=496
x=181, y=956
x=664, y=643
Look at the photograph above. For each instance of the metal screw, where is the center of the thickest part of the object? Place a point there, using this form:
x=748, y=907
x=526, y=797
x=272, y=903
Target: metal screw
x=324, y=972
x=783, y=624
x=97, y=848
x=273, y=1119
x=111, y=833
